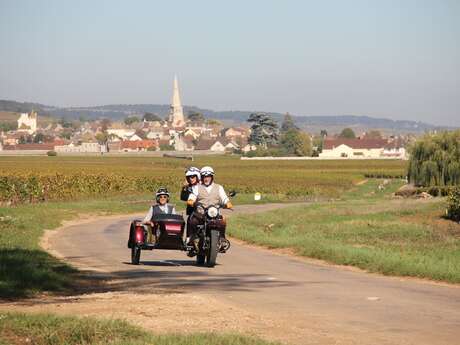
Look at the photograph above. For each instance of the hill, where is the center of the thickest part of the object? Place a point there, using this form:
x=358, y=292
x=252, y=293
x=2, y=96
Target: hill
x=332, y=124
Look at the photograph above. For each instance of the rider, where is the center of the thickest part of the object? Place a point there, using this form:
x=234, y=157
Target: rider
x=161, y=207
x=206, y=194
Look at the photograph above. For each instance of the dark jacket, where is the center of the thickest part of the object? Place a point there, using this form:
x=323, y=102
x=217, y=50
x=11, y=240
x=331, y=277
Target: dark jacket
x=184, y=194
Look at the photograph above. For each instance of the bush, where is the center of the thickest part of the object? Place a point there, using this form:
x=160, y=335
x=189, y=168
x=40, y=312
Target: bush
x=453, y=204
x=52, y=153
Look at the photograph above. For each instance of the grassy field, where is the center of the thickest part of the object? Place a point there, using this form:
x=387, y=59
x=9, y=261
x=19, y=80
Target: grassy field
x=46, y=329
x=368, y=229
x=55, y=178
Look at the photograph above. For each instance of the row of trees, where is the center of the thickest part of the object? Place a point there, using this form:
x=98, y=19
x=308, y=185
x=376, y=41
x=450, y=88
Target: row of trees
x=270, y=139
x=435, y=160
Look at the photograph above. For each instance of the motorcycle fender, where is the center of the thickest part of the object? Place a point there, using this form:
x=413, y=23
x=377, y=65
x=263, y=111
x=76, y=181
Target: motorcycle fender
x=139, y=234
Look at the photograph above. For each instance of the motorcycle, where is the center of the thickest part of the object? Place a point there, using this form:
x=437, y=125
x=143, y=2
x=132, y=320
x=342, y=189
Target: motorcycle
x=211, y=235
x=167, y=233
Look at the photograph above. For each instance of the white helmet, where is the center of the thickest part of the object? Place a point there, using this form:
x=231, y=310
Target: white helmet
x=206, y=171
x=192, y=171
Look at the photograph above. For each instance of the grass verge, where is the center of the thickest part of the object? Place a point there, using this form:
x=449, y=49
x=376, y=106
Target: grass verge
x=47, y=329
x=367, y=229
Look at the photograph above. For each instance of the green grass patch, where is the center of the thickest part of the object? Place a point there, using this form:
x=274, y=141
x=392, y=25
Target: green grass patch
x=47, y=329
x=373, y=232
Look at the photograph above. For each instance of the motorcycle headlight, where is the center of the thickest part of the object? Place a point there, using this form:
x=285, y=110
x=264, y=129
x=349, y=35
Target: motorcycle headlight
x=213, y=212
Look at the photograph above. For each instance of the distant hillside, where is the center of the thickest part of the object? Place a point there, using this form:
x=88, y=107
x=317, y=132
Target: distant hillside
x=313, y=124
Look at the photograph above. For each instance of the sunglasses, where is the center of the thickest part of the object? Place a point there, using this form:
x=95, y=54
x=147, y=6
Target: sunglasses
x=163, y=197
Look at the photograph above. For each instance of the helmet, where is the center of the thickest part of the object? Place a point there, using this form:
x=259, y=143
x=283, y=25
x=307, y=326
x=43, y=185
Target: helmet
x=161, y=191
x=192, y=171
x=207, y=171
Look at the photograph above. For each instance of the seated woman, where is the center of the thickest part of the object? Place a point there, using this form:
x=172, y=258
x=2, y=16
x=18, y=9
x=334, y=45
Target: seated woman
x=161, y=207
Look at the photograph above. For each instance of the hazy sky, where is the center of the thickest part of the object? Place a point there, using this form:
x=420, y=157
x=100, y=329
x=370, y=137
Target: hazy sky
x=395, y=59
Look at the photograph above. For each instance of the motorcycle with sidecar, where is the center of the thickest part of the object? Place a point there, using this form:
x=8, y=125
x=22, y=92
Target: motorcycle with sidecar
x=167, y=233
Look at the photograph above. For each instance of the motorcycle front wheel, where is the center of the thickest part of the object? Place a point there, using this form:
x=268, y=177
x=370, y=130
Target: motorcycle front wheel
x=135, y=255
x=211, y=255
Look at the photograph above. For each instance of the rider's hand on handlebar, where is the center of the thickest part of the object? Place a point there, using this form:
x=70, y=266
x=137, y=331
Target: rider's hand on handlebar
x=190, y=203
x=229, y=205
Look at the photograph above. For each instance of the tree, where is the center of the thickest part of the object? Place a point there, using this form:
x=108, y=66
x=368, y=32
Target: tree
x=347, y=133
x=131, y=119
x=323, y=133
x=318, y=142
x=151, y=117
x=39, y=138
x=194, y=116
x=213, y=122
x=105, y=123
x=102, y=137
x=374, y=134
x=295, y=142
x=288, y=123
x=264, y=130
x=435, y=160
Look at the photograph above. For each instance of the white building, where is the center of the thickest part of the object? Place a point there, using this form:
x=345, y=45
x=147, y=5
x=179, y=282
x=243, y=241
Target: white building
x=121, y=133
x=27, y=122
x=83, y=148
x=353, y=148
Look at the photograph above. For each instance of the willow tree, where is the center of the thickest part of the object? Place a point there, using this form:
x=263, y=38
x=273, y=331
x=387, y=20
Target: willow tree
x=435, y=160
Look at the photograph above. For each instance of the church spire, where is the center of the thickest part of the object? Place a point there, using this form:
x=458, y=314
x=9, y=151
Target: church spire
x=176, y=114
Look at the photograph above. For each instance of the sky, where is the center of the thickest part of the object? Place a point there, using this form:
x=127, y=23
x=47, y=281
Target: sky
x=382, y=58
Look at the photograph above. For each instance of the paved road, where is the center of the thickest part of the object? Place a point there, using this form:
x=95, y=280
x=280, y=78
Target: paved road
x=340, y=303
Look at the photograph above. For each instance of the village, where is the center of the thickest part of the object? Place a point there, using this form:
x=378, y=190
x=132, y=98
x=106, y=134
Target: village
x=149, y=133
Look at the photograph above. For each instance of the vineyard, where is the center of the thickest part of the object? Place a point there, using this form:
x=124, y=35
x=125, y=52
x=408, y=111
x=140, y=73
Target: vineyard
x=36, y=179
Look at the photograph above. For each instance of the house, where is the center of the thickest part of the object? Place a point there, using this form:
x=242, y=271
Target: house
x=219, y=145
x=27, y=122
x=134, y=137
x=157, y=133
x=85, y=147
x=248, y=147
x=236, y=132
x=192, y=133
x=353, y=148
x=138, y=145
x=12, y=139
x=395, y=148
x=121, y=133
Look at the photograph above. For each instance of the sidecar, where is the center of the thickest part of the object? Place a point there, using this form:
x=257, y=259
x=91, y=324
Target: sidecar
x=167, y=233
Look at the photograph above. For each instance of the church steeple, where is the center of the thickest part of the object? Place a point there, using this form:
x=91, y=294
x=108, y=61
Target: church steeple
x=176, y=114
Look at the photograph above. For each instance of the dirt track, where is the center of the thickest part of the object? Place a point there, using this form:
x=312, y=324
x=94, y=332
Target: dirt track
x=253, y=291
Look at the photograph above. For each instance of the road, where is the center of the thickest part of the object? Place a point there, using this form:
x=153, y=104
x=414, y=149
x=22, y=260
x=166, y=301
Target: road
x=314, y=303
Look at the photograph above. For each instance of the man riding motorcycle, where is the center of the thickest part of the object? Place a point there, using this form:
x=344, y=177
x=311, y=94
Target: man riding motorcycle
x=205, y=194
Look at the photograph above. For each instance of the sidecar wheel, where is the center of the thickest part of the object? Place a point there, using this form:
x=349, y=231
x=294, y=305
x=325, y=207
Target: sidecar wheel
x=135, y=255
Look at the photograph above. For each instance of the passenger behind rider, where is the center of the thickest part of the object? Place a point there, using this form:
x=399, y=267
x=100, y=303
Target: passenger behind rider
x=192, y=179
x=162, y=206
x=205, y=194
